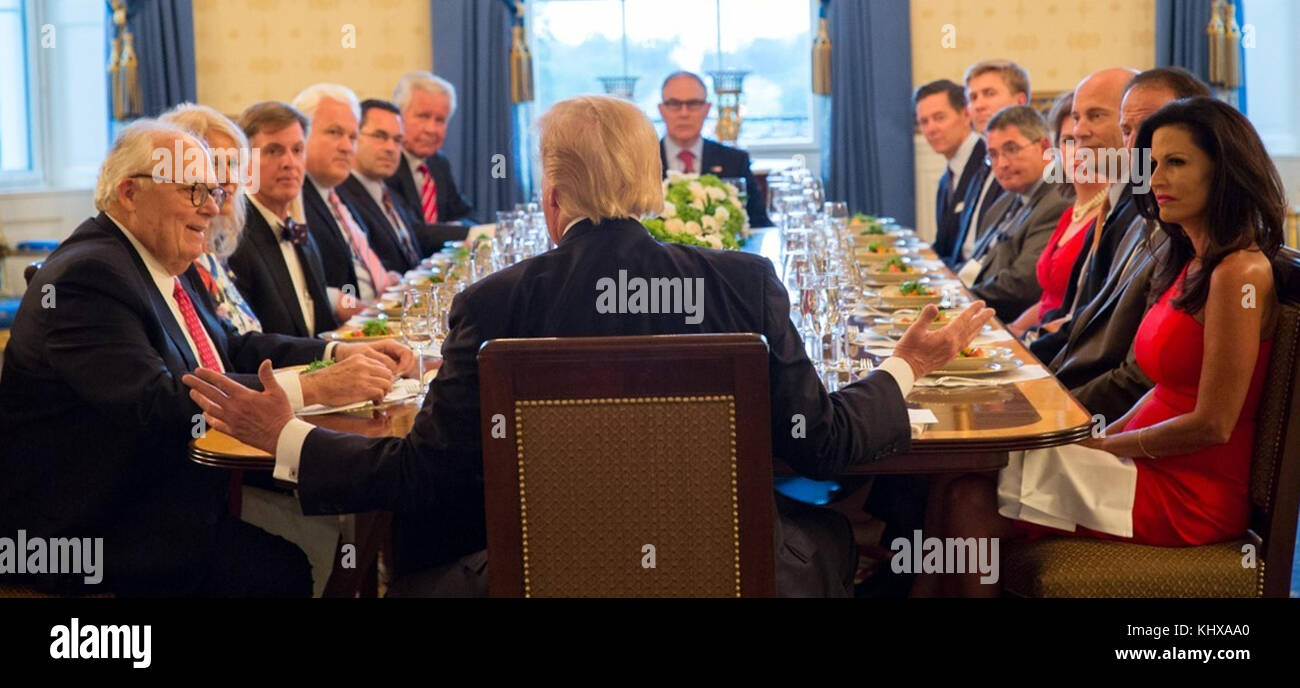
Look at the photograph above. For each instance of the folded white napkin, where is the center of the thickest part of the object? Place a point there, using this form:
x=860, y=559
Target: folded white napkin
x=919, y=418
x=1068, y=486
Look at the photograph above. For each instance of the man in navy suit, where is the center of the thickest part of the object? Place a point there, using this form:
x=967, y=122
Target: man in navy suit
x=394, y=230
x=941, y=115
x=94, y=419
x=354, y=273
x=684, y=149
x=423, y=180
x=277, y=264
x=432, y=478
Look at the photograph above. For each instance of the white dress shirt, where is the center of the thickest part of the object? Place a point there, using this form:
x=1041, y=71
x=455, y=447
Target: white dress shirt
x=296, y=273
x=165, y=282
x=959, y=159
x=671, y=150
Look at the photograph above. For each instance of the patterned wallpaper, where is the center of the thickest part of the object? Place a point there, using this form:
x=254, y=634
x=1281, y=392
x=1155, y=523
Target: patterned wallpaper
x=251, y=50
x=1058, y=41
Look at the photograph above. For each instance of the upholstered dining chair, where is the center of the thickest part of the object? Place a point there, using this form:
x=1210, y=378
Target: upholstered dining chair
x=1256, y=565
x=628, y=466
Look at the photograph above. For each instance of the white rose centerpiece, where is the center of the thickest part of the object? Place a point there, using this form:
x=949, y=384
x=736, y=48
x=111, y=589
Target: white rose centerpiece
x=700, y=210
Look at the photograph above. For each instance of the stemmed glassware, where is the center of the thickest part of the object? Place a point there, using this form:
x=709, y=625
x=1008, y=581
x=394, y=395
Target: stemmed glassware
x=417, y=327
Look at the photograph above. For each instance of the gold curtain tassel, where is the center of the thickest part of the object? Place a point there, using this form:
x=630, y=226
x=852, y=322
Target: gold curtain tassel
x=521, y=68
x=133, y=102
x=1231, y=48
x=1215, y=32
x=821, y=60
x=115, y=78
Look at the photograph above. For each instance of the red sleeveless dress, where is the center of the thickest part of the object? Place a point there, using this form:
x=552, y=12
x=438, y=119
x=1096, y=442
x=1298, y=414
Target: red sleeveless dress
x=1189, y=499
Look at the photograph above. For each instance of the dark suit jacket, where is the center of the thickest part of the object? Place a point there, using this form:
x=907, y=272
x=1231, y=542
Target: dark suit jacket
x=1008, y=280
x=1097, y=363
x=728, y=162
x=433, y=477
x=383, y=236
x=452, y=206
x=262, y=277
x=335, y=253
x=95, y=420
x=950, y=205
x=970, y=220
x=1084, y=286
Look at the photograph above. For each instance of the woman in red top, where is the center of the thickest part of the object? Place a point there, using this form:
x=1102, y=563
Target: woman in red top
x=1062, y=250
x=1205, y=343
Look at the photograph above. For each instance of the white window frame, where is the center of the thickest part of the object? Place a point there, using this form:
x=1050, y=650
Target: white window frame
x=783, y=148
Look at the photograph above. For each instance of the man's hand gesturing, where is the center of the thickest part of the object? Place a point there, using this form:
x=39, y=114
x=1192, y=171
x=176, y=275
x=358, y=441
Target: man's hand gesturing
x=927, y=350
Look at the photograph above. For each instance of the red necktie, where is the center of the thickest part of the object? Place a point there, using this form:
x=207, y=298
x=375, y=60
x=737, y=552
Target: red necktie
x=207, y=357
x=379, y=277
x=688, y=161
x=428, y=195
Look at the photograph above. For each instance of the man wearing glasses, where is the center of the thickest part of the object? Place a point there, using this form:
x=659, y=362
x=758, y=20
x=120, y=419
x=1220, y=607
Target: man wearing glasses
x=94, y=419
x=1003, y=268
x=684, y=108
x=394, y=229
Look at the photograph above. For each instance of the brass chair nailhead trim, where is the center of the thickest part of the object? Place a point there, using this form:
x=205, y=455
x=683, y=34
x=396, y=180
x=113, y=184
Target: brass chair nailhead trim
x=602, y=401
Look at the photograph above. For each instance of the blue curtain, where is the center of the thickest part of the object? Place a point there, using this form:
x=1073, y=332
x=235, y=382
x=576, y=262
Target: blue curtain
x=1181, y=40
x=164, y=46
x=870, y=149
x=471, y=43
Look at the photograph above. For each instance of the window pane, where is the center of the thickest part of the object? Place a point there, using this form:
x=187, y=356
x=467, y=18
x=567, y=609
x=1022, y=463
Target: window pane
x=577, y=41
x=15, y=140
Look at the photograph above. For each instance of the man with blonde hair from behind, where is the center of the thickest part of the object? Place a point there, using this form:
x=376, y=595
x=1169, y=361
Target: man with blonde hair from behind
x=601, y=172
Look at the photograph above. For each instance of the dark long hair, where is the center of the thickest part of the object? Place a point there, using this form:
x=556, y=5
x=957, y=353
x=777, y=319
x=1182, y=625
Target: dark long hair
x=1246, y=204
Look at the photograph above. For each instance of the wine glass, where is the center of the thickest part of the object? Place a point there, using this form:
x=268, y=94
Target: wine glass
x=417, y=327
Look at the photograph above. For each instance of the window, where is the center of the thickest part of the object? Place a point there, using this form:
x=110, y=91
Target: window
x=54, y=116
x=1272, y=73
x=576, y=41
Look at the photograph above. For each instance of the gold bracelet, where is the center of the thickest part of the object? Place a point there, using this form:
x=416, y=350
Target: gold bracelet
x=1141, y=446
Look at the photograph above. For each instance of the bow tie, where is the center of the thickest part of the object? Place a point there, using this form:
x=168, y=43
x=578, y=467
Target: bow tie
x=293, y=232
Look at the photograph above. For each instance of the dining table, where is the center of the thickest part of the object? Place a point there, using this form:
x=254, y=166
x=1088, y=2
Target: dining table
x=973, y=428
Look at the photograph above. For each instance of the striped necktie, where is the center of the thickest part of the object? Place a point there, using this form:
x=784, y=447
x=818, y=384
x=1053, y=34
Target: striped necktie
x=202, y=344
x=379, y=277
x=428, y=195
x=403, y=234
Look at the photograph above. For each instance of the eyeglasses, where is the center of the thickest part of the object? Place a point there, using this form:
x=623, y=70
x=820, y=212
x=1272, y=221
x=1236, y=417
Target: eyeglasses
x=199, y=193
x=691, y=105
x=383, y=137
x=1011, y=150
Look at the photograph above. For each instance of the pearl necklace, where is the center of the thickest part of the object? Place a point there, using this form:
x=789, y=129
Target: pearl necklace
x=1082, y=209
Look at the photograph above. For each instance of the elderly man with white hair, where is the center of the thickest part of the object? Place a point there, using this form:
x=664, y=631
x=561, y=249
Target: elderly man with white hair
x=95, y=419
x=353, y=271
x=423, y=180
x=601, y=171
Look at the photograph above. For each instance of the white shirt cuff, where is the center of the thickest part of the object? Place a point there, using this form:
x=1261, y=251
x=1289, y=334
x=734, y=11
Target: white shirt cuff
x=288, y=379
x=901, y=371
x=288, y=449
x=329, y=351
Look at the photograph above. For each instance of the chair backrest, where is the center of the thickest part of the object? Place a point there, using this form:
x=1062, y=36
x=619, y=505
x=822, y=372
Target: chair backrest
x=1275, y=469
x=628, y=466
x=29, y=272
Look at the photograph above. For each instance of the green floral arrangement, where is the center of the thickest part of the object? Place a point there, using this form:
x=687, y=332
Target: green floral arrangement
x=700, y=210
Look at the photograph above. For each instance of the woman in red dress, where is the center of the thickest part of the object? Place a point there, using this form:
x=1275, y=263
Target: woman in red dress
x=1205, y=343
x=1057, y=260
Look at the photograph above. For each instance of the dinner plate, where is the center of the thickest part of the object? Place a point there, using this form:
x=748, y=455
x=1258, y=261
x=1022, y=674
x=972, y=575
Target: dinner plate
x=987, y=367
x=352, y=333
x=904, y=318
x=893, y=297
